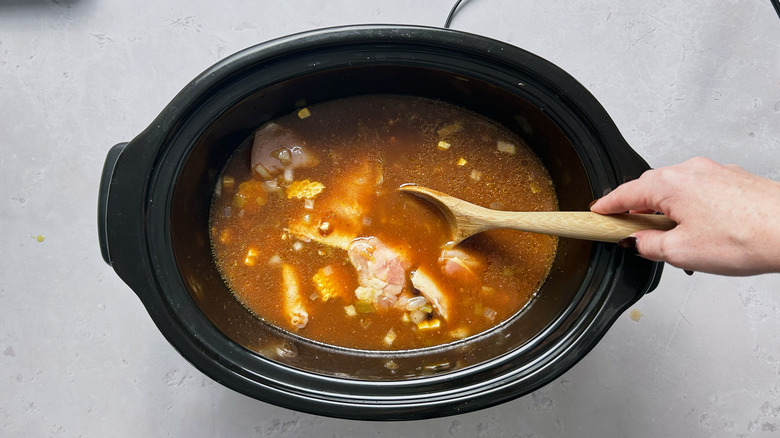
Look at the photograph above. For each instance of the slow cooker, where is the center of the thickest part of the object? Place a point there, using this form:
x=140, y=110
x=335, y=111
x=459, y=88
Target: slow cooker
x=155, y=193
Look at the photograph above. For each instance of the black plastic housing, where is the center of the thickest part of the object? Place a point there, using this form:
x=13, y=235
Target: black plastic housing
x=154, y=204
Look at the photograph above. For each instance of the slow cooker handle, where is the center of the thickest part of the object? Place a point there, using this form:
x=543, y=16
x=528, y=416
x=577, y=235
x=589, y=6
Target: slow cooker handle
x=632, y=165
x=105, y=185
x=122, y=209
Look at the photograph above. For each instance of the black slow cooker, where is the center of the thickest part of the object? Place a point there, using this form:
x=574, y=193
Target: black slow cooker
x=154, y=205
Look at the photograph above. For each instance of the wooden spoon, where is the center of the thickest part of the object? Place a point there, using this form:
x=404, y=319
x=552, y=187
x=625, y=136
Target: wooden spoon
x=466, y=219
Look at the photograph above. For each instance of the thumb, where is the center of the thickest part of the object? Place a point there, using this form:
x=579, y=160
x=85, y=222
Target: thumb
x=648, y=244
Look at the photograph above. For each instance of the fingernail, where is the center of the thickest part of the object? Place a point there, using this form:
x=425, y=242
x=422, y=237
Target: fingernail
x=628, y=244
x=592, y=202
x=688, y=272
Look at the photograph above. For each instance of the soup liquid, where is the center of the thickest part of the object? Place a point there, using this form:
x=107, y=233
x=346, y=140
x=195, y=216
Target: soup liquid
x=279, y=253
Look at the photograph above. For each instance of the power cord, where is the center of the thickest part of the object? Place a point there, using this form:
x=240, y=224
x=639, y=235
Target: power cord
x=451, y=15
x=457, y=5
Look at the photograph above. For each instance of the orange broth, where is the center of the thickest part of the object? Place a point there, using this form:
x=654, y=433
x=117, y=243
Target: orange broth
x=282, y=237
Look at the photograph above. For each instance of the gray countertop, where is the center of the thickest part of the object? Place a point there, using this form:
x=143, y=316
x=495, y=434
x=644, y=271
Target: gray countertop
x=79, y=355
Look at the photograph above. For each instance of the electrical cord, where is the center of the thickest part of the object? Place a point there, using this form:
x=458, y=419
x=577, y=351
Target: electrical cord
x=451, y=15
x=454, y=9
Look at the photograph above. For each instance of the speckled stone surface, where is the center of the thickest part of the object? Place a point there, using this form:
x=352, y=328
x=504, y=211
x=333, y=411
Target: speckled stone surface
x=79, y=355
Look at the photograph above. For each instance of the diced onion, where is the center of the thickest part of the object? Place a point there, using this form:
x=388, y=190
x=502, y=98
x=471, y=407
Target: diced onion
x=226, y=212
x=327, y=271
x=262, y=171
x=417, y=316
x=366, y=220
x=490, y=313
x=283, y=155
x=462, y=162
x=350, y=310
x=476, y=175
x=308, y=204
x=288, y=174
x=304, y=113
x=443, y=145
x=297, y=246
x=506, y=147
x=325, y=229
x=275, y=260
x=270, y=186
x=390, y=337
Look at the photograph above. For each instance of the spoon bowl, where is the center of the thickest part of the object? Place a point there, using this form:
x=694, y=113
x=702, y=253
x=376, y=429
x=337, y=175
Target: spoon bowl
x=466, y=219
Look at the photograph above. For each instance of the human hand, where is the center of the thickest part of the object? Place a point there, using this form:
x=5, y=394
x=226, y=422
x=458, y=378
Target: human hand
x=728, y=220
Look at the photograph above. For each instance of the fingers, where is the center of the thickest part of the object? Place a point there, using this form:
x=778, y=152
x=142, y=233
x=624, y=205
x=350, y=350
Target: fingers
x=632, y=196
x=649, y=244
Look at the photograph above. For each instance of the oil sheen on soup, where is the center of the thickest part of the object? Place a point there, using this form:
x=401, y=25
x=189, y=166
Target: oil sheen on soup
x=310, y=233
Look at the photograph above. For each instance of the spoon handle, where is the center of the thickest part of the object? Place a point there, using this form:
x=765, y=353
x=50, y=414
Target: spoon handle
x=577, y=224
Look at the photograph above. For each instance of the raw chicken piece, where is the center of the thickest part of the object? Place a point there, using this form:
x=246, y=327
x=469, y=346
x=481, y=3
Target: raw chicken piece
x=275, y=148
x=428, y=287
x=343, y=206
x=457, y=263
x=381, y=271
x=293, y=302
x=310, y=233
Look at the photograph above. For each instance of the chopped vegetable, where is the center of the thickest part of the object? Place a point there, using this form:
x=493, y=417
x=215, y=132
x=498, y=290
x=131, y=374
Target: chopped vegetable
x=506, y=147
x=304, y=189
x=239, y=200
x=297, y=246
x=417, y=316
x=228, y=182
x=443, y=145
x=367, y=294
x=459, y=333
x=304, y=113
x=325, y=228
x=462, y=162
x=262, y=171
x=327, y=284
x=287, y=175
x=274, y=260
x=490, y=313
x=364, y=307
x=350, y=310
x=535, y=187
x=390, y=337
x=309, y=205
x=429, y=324
x=476, y=175
x=251, y=256
x=283, y=155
